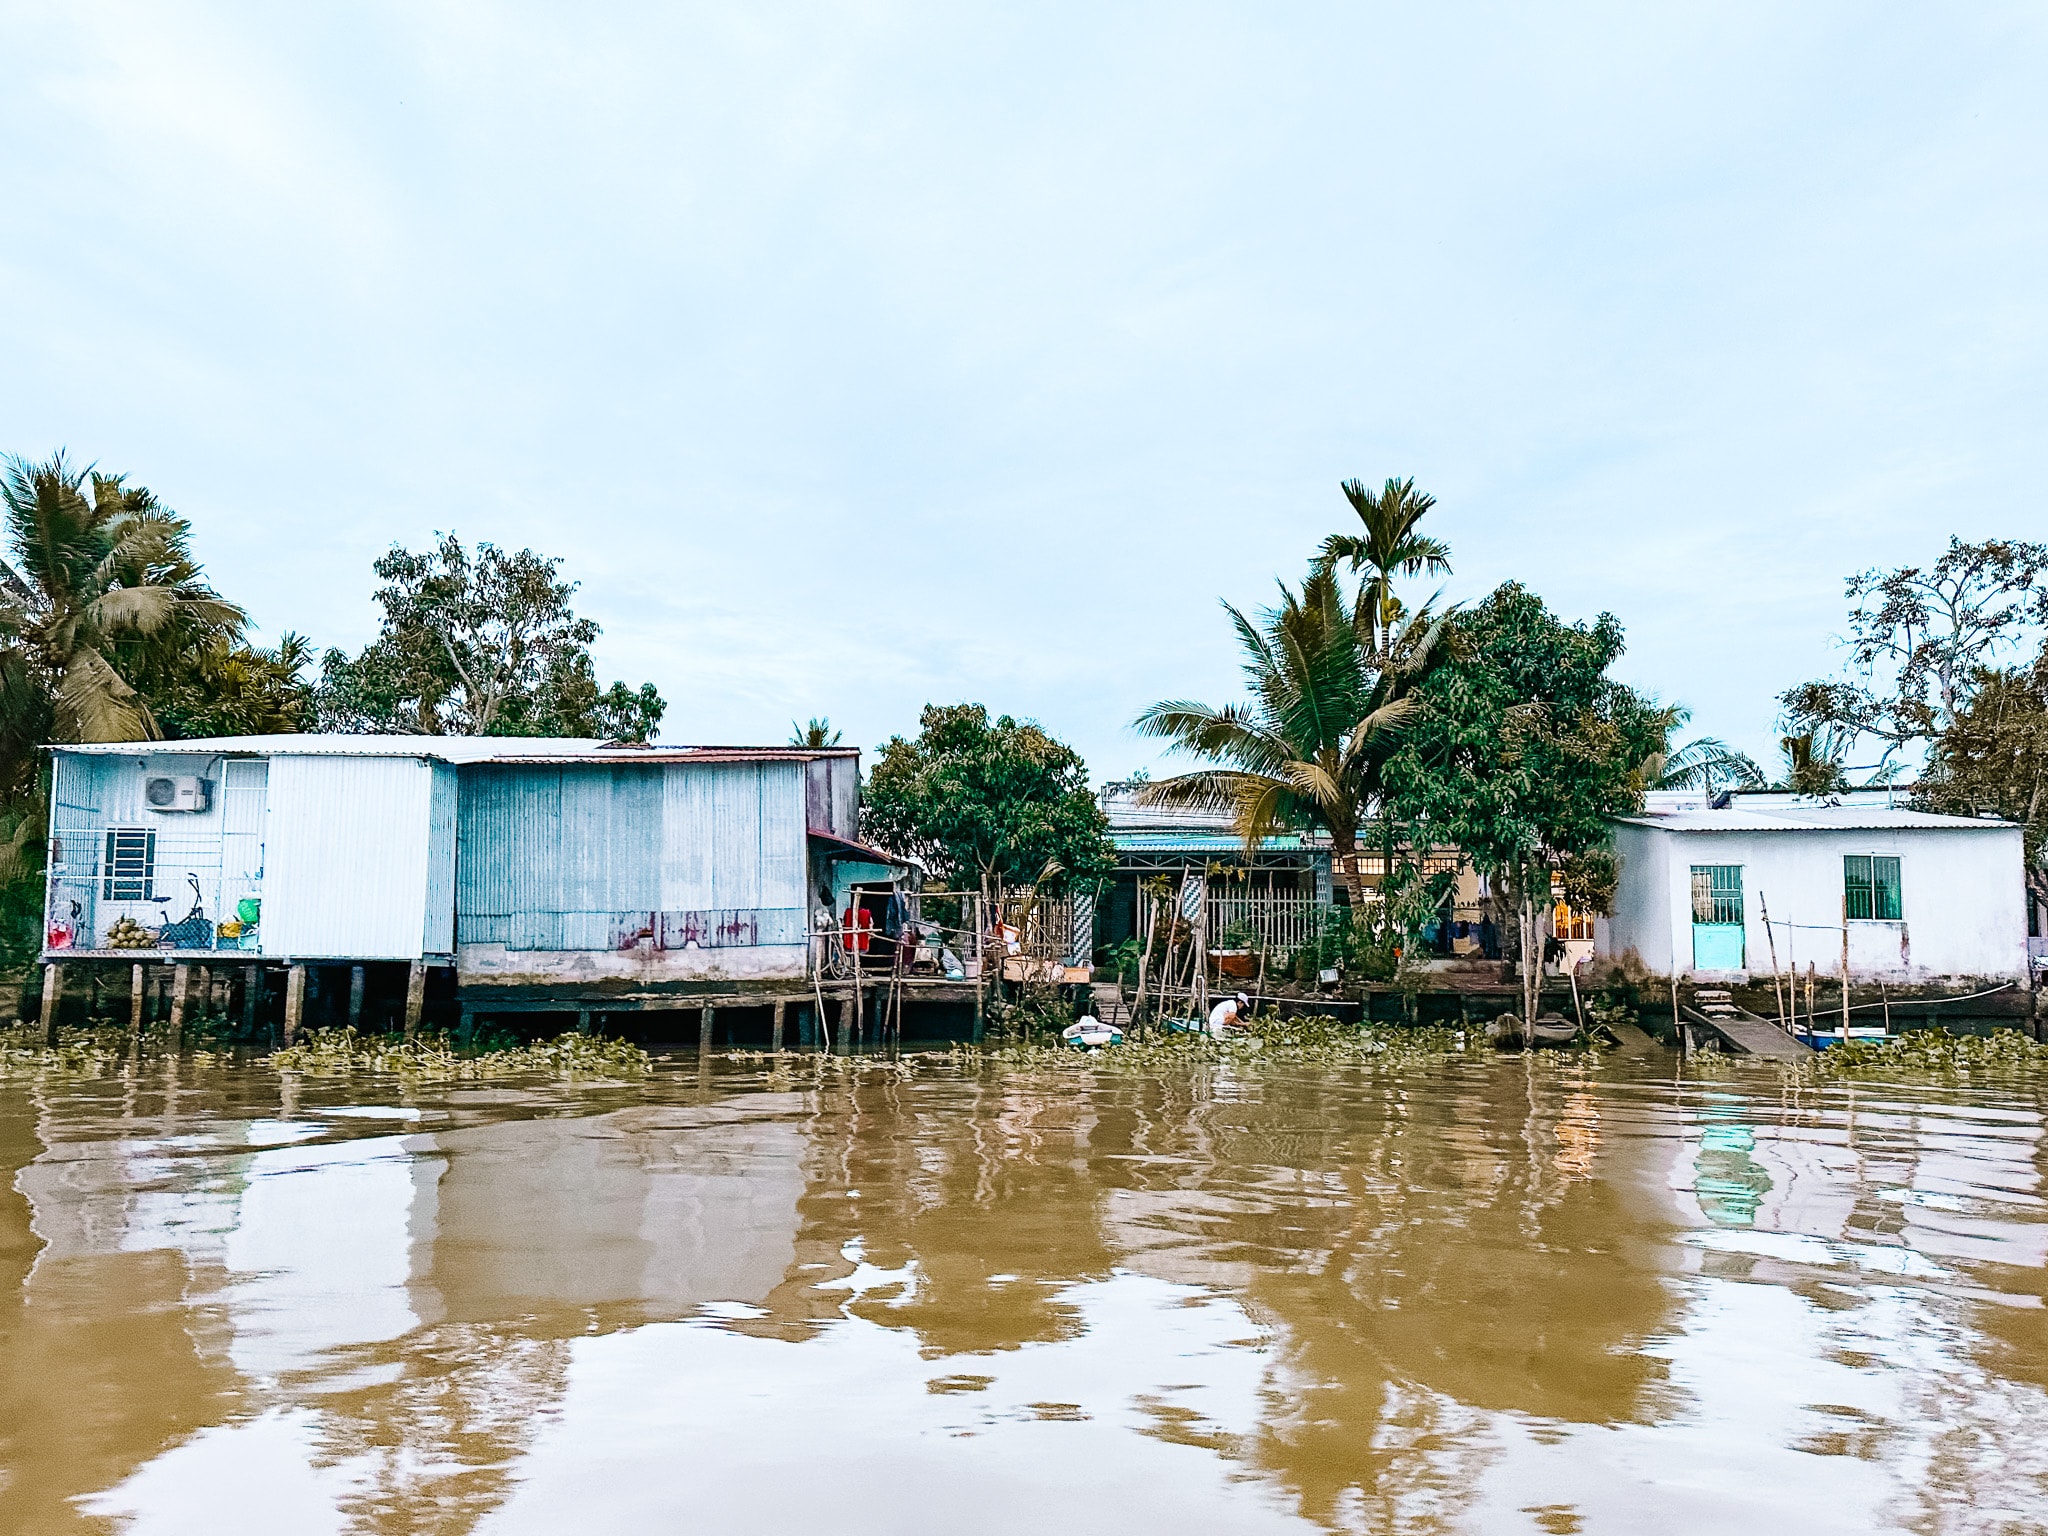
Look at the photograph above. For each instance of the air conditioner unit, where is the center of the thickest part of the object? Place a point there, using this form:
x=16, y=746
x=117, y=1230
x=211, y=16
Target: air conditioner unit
x=176, y=792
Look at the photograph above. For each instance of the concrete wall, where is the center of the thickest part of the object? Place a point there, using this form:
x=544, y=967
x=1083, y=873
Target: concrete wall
x=1963, y=916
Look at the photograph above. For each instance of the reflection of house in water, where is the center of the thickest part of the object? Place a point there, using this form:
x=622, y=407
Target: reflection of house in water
x=416, y=1294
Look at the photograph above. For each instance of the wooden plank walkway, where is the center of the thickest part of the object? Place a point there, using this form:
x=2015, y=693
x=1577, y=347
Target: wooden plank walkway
x=1748, y=1034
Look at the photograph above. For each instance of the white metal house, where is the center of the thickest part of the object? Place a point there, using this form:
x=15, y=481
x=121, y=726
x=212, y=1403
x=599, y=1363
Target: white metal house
x=1923, y=898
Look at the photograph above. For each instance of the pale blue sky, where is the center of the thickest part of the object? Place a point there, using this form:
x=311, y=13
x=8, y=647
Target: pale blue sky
x=859, y=355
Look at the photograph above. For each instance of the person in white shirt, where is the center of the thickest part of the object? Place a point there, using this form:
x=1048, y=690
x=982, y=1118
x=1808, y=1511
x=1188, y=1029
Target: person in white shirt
x=1230, y=1014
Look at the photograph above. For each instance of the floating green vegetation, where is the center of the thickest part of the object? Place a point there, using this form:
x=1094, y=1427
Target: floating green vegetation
x=79, y=1052
x=431, y=1058
x=2002, y=1053
x=1269, y=1041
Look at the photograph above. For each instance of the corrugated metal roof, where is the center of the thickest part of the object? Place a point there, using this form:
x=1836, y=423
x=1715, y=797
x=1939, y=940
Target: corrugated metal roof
x=1811, y=817
x=453, y=749
x=1199, y=842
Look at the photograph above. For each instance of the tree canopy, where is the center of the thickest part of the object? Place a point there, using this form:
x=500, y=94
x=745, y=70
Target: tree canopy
x=1920, y=639
x=483, y=644
x=974, y=798
x=1523, y=747
x=1993, y=756
x=1326, y=710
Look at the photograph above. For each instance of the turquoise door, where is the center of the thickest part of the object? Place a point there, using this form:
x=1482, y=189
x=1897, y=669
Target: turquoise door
x=1717, y=926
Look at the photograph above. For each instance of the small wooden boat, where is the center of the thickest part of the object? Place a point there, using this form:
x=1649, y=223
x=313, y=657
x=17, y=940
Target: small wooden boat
x=1552, y=1030
x=1091, y=1034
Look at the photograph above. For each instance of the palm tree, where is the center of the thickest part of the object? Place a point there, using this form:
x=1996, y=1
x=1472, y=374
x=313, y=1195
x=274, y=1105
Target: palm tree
x=1311, y=746
x=818, y=733
x=1388, y=547
x=1702, y=763
x=1813, y=764
x=102, y=584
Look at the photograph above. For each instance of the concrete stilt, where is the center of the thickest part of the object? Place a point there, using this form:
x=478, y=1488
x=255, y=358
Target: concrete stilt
x=582, y=1021
x=415, y=997
x=138, y=998
x=355, y=997
x=781, y=1012
x=252, y=996
x=847, y=1024
x=181, y=1000
x=705, y=1025
x=294, y=1001
x=53, y=998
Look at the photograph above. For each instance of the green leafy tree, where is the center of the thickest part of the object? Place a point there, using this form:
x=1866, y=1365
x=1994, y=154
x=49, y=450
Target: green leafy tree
x=109, y=632
x=977, y=800
x=1309, y=749
x=1387, y=547
x=1919, y=639
x=1521, y=750
x=483, y=644
x=1993, y=756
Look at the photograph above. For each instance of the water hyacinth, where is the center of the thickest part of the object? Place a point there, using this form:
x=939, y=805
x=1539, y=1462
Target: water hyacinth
x=342, y=1052
x=2002, y=1053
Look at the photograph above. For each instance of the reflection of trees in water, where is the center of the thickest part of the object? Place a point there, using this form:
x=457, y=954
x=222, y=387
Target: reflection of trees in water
x=437, y=1448
x=1424, y=1255
x=103, y=1363
x=967, y=1182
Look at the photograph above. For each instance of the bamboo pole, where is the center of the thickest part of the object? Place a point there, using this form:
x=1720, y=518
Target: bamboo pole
x=1771, y=938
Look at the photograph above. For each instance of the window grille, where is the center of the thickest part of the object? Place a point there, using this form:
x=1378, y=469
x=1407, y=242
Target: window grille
x=1717, y=893
x=129, y=871
x=1871, y=888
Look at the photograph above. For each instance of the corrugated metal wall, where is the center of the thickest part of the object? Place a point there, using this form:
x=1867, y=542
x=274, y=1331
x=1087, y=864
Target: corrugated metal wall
x=442, y=813
x=347, y=857
x=578, y=857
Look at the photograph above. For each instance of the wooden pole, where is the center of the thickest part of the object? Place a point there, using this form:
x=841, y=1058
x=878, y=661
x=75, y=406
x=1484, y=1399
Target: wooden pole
x=294, y=1000
x=138, y=998
x=1771, y=938
x=415, y=997
x=53, y=997
x=705, y=1023
x=252, y=996
x=181, y=997
x=847, y=1024
x=780, y=1010
x=355, y=997
x=1845, y=968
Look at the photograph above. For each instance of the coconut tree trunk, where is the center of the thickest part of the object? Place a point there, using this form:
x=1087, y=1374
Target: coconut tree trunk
x=1344, y=845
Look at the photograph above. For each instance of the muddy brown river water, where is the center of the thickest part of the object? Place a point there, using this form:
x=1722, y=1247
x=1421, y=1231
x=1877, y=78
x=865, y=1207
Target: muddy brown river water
x=1465, y=1296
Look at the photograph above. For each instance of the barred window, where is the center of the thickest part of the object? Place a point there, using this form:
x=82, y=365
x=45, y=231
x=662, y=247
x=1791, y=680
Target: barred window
x=129, y=873
x=1717, y=893
x=1870, y=888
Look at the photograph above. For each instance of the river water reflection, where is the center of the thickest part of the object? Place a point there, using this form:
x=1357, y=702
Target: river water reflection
x=1473, y=1296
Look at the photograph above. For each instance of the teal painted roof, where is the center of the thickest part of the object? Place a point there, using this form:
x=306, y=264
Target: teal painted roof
x=1200, y=842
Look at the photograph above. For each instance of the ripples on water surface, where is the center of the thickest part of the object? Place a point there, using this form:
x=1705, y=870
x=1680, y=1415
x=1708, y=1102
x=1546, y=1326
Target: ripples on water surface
x=1467, y=1297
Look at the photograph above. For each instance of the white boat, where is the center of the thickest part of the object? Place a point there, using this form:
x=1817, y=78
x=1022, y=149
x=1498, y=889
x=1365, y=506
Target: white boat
x=1091, y=1034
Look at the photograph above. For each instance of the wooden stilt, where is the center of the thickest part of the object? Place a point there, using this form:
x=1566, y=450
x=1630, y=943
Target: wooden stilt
x=415, y=997
x=138, y=998
x=846, y=1026
x=252, y=996
x=355, y=997
x=780, y=1010
x=53, y=997
x=181, y=999
x=294, y=1001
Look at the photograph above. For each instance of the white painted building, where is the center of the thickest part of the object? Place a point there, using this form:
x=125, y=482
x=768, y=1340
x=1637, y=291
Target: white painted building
x=1924, y=898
